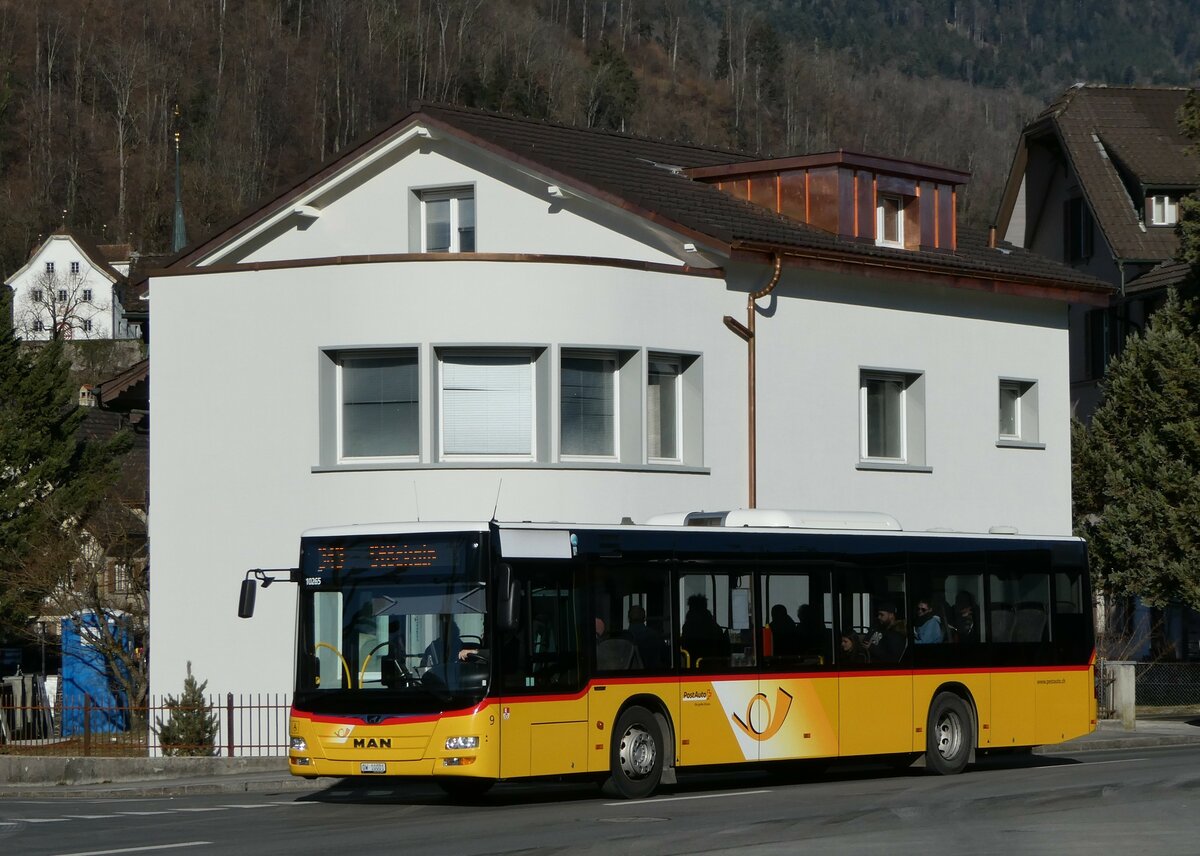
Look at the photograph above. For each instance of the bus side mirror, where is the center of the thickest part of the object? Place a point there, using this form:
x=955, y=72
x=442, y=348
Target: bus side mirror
x=246, y=600
x=508, y=600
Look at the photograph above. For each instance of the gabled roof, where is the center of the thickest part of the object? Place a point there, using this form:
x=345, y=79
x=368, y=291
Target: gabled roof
x=89, y=250
x=646, y=178
x=1106, y=129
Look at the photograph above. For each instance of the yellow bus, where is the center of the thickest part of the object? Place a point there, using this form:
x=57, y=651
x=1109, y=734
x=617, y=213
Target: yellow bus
x=471, y=653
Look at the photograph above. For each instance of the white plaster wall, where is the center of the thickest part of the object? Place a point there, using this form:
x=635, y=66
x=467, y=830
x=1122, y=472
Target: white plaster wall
x=236, y=426
x=513, y=212
x=61, y=250
x=809, y=357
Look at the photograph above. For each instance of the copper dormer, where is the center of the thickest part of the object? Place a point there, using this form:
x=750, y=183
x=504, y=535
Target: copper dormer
x=886, y=201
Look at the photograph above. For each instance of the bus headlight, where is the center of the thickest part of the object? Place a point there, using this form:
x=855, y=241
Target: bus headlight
x=462, y=742
x=299, y=744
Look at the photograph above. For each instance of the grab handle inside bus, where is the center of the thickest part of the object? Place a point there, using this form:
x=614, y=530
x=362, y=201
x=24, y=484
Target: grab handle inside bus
x=508, y=601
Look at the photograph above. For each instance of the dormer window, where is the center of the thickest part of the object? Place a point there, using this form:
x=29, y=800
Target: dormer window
x=889, y=220
x=1162, y=211
x=448, y=221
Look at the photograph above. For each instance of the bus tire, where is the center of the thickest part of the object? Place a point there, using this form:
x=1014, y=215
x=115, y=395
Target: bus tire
x=636, y=755
x=948, y=733
x=464, y=788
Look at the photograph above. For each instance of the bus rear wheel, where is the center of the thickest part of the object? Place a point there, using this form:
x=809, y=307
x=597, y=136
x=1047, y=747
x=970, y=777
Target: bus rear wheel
x=464, y=788
x=636, y=755
x=948, y=735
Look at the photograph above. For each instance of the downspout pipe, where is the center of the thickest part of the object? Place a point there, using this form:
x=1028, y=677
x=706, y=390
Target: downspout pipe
x=747, y=333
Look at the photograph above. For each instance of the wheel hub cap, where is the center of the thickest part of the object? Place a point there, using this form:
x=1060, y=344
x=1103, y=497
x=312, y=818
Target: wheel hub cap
x=637, y=753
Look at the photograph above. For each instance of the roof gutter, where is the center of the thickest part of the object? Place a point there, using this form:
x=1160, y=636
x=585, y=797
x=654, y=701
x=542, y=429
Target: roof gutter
x=983, y=280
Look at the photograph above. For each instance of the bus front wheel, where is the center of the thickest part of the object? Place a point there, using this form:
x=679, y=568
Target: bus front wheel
x=636, y=757
x=948, y=735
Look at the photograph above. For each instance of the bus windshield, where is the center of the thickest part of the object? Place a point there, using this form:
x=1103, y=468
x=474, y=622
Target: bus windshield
x=393, y=624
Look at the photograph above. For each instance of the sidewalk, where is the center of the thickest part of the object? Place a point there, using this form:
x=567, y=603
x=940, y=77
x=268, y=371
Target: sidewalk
x=24, y=777
x=1149, y=733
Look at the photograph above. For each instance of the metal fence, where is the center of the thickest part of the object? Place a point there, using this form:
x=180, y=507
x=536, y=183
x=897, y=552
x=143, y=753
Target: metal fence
x=240, y=725
x=1158, y=686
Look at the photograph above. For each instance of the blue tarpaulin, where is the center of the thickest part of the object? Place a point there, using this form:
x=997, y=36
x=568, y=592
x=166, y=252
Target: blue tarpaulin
x=87, y=676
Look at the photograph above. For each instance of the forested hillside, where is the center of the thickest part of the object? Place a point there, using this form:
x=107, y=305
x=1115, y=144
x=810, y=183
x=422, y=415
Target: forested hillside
x=267, y=89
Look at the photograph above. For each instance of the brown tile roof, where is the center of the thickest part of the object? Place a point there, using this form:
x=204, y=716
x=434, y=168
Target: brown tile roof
x=1105, y=129
x=630, y=170
x=1159, y=277
x=644, y=177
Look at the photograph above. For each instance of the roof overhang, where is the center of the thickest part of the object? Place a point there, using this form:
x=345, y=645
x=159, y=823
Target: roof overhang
x=917, y=272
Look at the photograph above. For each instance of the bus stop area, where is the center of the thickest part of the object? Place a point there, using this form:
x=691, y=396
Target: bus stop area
x=23, y=776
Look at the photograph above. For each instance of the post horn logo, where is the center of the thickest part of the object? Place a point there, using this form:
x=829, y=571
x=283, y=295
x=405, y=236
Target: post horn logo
x=774, y=716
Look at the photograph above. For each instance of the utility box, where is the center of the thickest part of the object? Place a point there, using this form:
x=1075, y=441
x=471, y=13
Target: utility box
x=89, y=686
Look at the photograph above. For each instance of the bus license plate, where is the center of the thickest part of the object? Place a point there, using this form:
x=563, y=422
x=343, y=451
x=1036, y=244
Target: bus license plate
x=372, y=768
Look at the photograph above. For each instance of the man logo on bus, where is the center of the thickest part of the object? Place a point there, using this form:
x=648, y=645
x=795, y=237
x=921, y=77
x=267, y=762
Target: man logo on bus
x=772, y=718
x=372, y=743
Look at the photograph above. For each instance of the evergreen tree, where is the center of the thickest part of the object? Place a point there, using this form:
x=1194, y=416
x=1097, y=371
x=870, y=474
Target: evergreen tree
x=191, y=725
x=1137, y=470
x=612, y=96
x=49, y=478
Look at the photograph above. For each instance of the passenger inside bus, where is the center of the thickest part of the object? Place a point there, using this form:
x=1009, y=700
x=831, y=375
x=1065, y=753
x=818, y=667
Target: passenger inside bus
x=700, y=635
x=649, y=645
x=928, y=627
x=887, y=643
x=785, y=635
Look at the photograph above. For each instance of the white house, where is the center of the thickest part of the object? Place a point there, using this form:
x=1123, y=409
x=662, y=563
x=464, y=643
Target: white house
x=72, y=287
x=472, y=315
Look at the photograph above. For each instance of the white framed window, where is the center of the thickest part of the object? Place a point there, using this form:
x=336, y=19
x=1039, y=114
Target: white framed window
x=1018, y=410
x=87, y=325
x=39, y=326
x=664, y=408
x=62, y=295
x=75, y=268
x=892, y=417
x=1164, y=211
x=50, y=268
x=378, y=395
x=448, y=221
x=87, y=295
x=889, y=220
x=37, y=295
x=487, y=405
x=587, y=405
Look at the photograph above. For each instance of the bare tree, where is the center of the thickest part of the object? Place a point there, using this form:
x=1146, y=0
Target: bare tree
x=99, y=565
x=61, y=306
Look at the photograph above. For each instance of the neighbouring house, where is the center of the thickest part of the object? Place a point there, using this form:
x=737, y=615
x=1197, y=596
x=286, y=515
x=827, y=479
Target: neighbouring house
x=75, y=290
x=1095, y=184
x=470, y=315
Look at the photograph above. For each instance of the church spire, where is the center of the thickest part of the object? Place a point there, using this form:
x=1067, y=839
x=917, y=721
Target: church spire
x=179, y=234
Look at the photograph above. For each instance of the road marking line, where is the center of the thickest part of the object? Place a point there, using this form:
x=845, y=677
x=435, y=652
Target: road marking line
x=1090, y=764
x=681, y=799
x=39, y=819
x=91, y=816
x=137, y=849
x=143, y=813
x=256, y=805
x=210, y=808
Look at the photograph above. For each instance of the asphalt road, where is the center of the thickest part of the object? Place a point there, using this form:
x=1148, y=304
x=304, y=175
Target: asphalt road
x=1144, y=802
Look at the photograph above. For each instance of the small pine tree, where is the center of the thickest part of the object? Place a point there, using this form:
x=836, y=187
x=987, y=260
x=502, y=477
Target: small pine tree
x=191, y=726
